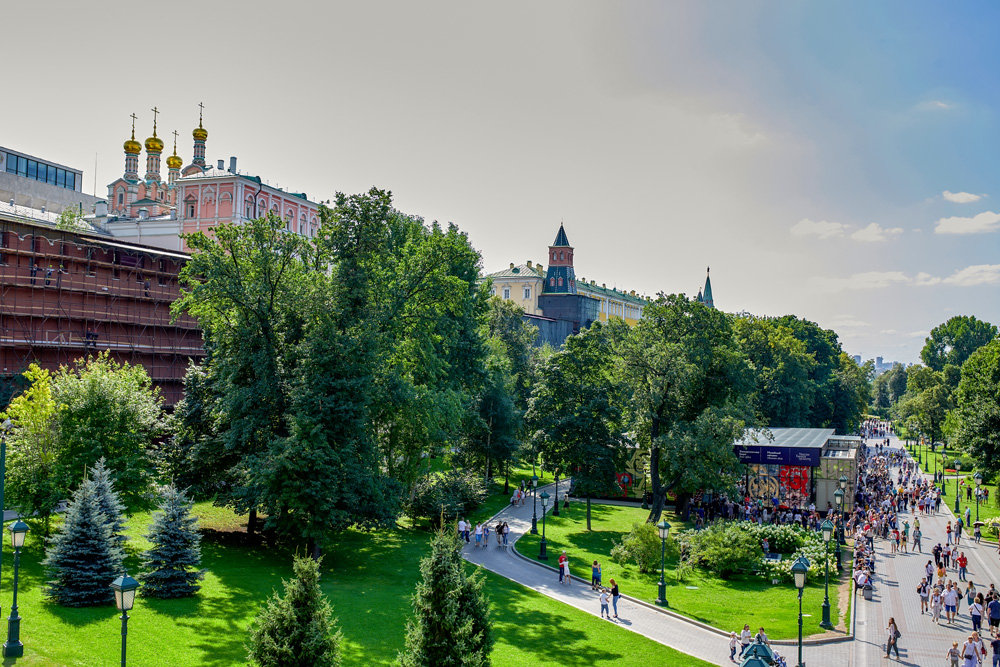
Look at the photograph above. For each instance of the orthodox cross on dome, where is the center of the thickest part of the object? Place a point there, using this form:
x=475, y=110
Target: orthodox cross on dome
x=201, y=109
x=155, y=112
x=175, y=142
x=134, y=117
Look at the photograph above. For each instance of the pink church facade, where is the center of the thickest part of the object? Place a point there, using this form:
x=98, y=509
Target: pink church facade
x=196, y=198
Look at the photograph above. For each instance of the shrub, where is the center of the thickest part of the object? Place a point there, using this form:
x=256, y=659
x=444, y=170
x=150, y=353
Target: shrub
x=782, y=539
x=725, y=549
x=452, y=493
x=640, y=547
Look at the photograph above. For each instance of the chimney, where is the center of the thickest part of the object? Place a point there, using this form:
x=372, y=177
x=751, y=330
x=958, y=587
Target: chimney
x=222, y=165
x=604, y=286
x=173, y=212
x=529, y=264
x=43, y=209
x=512, y=265
x=101, y=208
x=143, y=213
x=11, y=201
x=232, y=165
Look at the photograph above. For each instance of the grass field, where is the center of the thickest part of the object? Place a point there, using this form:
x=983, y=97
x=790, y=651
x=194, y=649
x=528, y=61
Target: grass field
x=723, y=604
x=368, y=578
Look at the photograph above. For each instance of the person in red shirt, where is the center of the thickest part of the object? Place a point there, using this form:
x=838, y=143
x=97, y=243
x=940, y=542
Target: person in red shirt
x=963, y=563
x=563, y=560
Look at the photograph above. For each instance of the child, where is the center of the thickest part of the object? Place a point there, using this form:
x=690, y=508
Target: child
x=733, y=643
x=952, y=654
x=604, y=604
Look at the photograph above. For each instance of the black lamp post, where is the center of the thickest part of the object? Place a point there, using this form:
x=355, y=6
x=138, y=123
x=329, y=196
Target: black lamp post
x=827, y=529
x=124, y=587
x=664, y=529
x=958, y=493
x=13, y=648
x=838, y=498
x=799, y=571
x=541, y=545
x=534, y=515
x=843, y=517
x=979, y=482
x=555, y=505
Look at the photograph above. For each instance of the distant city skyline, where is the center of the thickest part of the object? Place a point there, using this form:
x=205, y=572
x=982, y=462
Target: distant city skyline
x=832, y=161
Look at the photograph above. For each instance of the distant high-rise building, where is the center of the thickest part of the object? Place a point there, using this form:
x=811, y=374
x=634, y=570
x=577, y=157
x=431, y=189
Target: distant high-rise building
x=878, y=361
x=857, y=359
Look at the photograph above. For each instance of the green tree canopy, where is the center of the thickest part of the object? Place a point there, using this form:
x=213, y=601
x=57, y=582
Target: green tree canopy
x=978, y=408
x=955, y=340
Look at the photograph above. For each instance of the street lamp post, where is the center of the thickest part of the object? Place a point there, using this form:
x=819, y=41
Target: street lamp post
x=979, y=481
x=843, y=516
x=799, y=571
x=541, y=545
x=534, y=514
x=838, y=498
x=664, y=529
x=124, y=587
x=13, y=648
x=4, y=427
x=958, y=494
x=827, y=528
x=555, y=505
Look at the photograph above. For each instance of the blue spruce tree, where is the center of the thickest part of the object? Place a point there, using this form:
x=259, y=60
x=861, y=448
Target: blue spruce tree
x=171, y=564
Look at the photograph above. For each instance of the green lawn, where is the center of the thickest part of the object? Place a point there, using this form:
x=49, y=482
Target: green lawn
x=726, y=605
x=368, y=577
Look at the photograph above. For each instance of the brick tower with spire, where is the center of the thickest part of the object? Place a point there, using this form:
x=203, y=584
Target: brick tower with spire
x=560, y=277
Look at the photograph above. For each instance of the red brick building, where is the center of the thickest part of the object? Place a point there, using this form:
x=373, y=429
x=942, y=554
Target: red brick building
x=67, y=294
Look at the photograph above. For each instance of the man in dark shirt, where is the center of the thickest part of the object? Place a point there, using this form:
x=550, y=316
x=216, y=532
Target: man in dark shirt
x=937, y=554
x=993, y=609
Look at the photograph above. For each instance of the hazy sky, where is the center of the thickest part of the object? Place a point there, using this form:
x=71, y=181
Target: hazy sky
x=834, y=160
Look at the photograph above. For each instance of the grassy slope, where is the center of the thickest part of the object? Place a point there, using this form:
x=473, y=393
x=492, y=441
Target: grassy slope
x=724, y=604
x=368, y=578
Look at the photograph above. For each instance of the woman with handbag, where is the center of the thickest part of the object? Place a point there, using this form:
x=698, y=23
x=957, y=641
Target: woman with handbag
x=892, y=638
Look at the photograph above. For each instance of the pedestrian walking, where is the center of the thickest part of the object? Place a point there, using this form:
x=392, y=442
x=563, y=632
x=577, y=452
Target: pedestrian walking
x=892, y=638
x=953, y=655
x=615, y=595
x=937, y=605
x=916, y=538
x=963, y=563
x=976, y=614
x=595, y=575
x=604, y=604
x=733, y=643
x=745, y=635
x=924, y=592
x=562, y=569
x=929, y=571
x=950, y=599
x=995, y=645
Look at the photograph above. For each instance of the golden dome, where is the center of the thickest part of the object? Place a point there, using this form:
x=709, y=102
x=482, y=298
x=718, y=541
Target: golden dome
x=154, y=144
x=174, y=162
x=132, y=146
x=200, y=133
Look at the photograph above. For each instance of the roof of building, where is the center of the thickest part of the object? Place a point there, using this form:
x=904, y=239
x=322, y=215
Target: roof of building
x=561, y=239
x=708, y=290
x=608, y=292
x=519, y=271
x=146, y=202
x=791, y=437
x=27, y=213
x=213, y=172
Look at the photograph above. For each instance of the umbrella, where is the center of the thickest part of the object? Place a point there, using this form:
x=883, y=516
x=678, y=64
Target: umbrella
x=979, y=523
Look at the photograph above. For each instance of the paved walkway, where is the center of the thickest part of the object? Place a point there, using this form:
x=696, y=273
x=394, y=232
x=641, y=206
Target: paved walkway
x=922, y=643
x=672, y=630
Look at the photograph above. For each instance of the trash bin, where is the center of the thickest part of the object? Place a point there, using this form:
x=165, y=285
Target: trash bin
x=868, y=591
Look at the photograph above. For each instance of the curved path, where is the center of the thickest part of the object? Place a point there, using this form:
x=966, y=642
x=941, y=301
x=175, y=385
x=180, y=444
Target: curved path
x=659, y=625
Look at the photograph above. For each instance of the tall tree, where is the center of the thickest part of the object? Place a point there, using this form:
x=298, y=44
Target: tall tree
x=691, y=395
x=576, y=420
x=896, y=382
x=108, y=503
x=451, y=625
x=926, y=402
x=33, y=447
x=783, y=367
x=172, y=561
x=296, y=628
x=955, y=340
x=82, y=558
x=978, y=408
x=108, y=410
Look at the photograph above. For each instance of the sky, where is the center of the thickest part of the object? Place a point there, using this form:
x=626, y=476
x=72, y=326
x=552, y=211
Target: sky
x=837, y=161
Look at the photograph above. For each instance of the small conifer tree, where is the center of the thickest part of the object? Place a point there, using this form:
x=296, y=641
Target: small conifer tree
x=451, y=624
x=171, y=563
x=296, y=628
x=82, y=560
x=108, y=502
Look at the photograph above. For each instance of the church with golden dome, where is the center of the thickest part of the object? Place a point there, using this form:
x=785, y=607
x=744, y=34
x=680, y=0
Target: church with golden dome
x=149, y=196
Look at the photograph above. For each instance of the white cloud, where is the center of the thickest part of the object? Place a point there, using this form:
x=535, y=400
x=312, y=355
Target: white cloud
x=935, y=105
x=888, y=332
x=978, y=274
x=848, y=322
x=918, y=334
x=874, y=233
x=821, y=228
x=960, y=197
x=987, y=221
x=923, y=279
x=862, y=281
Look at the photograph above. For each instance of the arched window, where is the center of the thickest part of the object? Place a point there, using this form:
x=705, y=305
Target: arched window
x=562, y=255
x=560, y=282
x=552, y=282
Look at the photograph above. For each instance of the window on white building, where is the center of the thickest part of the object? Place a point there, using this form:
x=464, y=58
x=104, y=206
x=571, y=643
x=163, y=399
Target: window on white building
x=506, y=292
x=527, y=292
